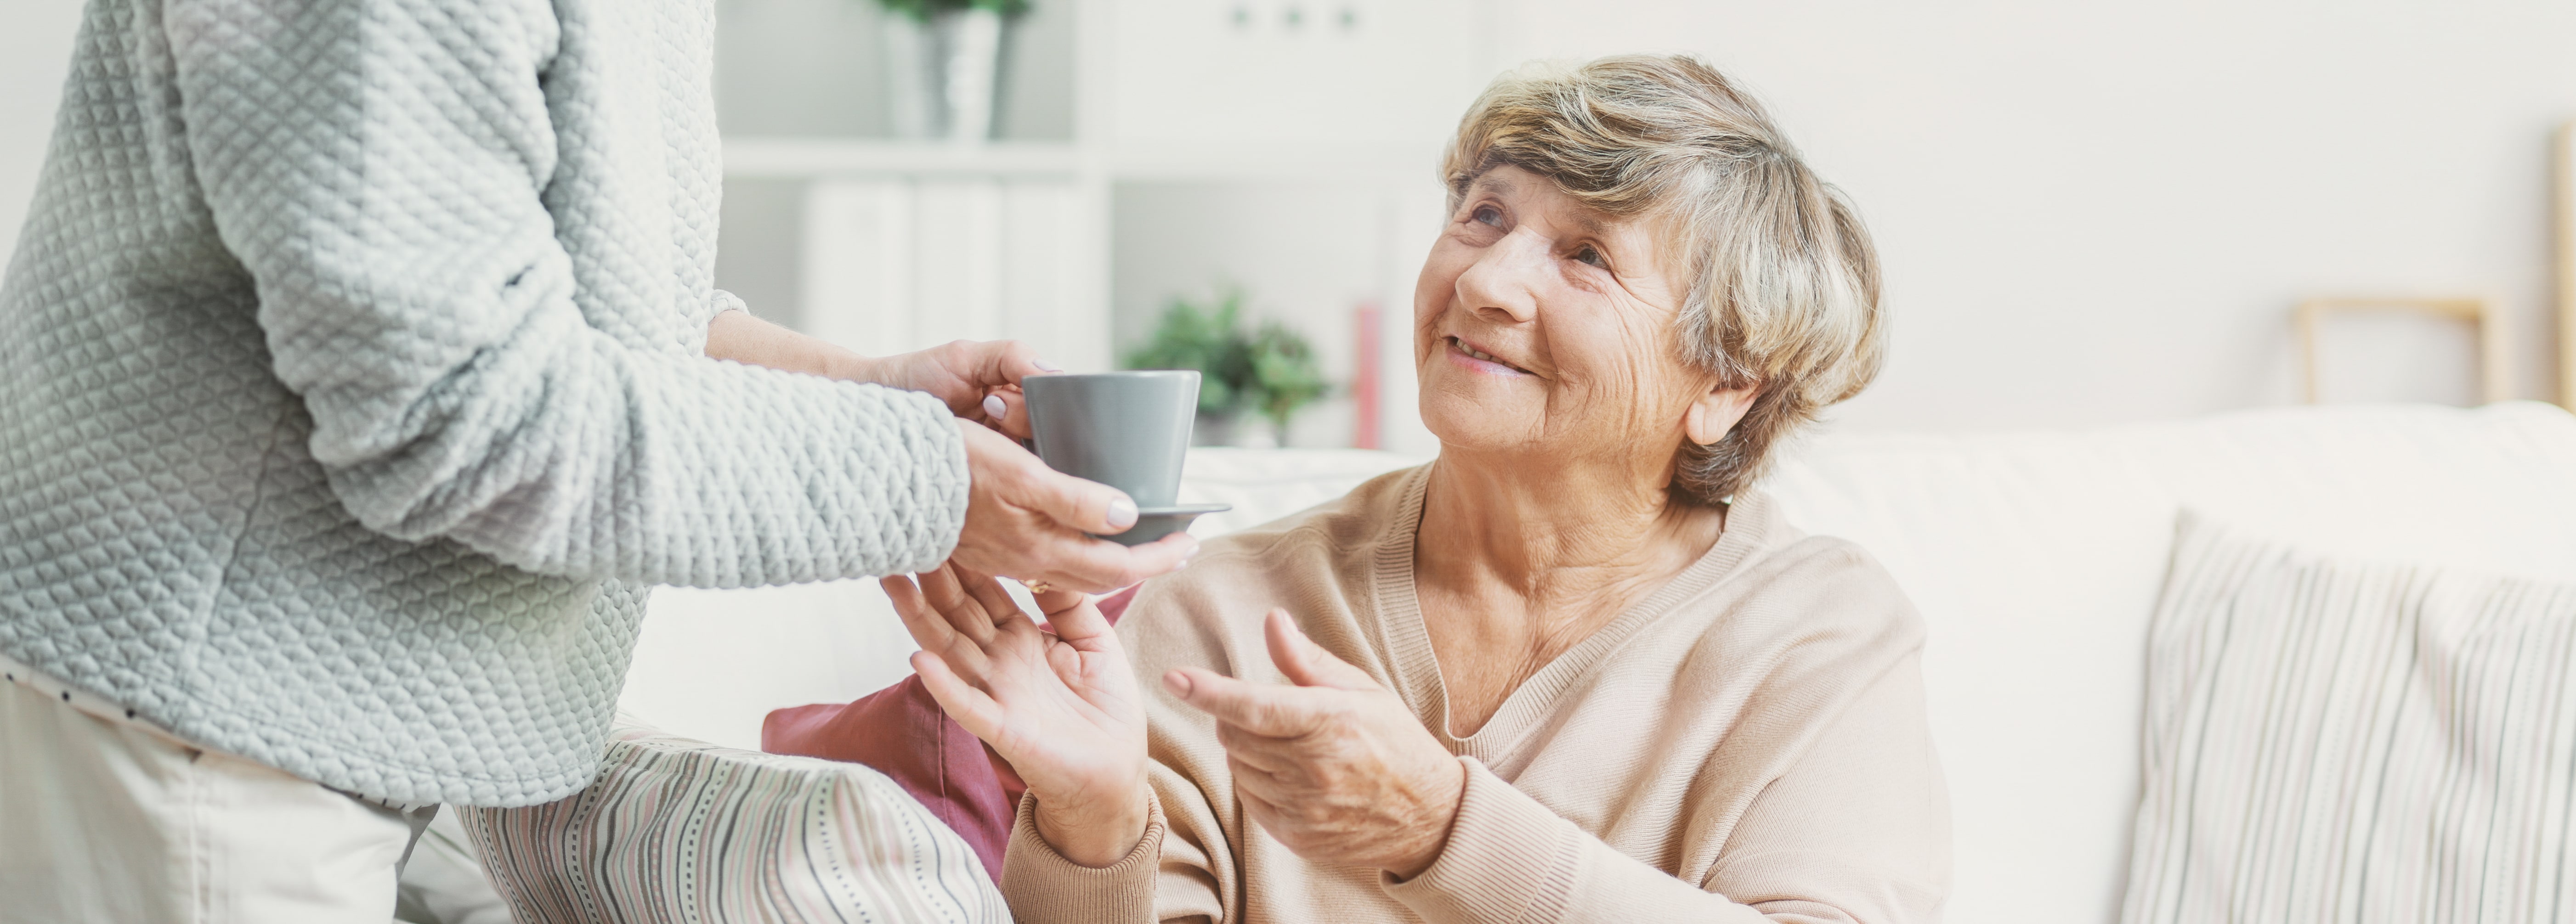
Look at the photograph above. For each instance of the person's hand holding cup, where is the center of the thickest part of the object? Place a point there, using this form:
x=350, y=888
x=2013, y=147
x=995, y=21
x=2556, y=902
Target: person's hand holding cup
x=1126, y=434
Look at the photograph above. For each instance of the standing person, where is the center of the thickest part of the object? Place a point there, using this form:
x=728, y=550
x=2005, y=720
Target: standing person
x=362, y=370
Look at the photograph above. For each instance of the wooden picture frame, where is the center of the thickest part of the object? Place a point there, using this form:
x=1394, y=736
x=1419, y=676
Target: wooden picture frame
x=2494, y=382
x=2563, y=159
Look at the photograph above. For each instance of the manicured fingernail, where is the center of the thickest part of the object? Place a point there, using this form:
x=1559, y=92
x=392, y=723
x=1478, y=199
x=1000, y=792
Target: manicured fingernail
x=1177, y=682
x=1122, y=513
x=993, y=406
x=1044, y=366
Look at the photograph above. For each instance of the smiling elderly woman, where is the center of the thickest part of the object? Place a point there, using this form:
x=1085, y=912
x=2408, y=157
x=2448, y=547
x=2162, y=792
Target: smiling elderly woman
x=1574, y=670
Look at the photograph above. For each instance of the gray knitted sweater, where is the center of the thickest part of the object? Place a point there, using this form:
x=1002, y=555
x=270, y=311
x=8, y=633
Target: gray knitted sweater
x=355, y=386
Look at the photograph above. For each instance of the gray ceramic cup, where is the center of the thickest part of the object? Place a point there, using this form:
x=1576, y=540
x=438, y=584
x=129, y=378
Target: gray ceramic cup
x=1127, y=430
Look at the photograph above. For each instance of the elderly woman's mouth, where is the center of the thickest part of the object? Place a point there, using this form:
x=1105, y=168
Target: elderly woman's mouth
x=1482, y=360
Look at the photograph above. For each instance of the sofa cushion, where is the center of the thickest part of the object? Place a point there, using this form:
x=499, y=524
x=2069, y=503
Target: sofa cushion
x=678, y=830
x=2035, y=559
x=2329, y=740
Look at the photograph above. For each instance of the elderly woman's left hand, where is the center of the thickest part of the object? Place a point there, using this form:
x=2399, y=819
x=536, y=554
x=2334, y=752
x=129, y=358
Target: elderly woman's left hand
x=1336, y=767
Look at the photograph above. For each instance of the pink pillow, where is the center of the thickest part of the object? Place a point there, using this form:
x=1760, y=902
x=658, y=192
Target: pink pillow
x=900, y=731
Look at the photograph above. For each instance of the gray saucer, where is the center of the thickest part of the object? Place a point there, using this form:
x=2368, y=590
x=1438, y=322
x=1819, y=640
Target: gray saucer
x=1157, y=522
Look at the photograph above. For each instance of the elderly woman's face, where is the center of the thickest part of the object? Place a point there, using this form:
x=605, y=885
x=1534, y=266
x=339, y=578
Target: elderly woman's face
x=1540, y=324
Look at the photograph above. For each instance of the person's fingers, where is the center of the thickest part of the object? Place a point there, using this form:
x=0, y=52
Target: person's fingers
x=1307, y=664
x=994, y=363
x=1100, y=566
x=940, y=586
x=966, y=575
x=928, y=629
x=974, y=710
x=1053, y=599
x=1260, y=797
x=997, y=602
x=1027, y=521
x=1013, y=416
x=1079, y=620
x=935, y=630
x=1253, y=779
x=1088, y=506
x=1260, y=709
x=1256, y=750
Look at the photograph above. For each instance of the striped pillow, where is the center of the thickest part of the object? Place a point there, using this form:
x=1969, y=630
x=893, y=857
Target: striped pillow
x=680, y=830
x=2333, y=741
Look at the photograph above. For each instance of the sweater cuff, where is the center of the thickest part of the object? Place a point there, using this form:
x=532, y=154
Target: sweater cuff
x=1508, y=859
x=941, y=481
x=724, y=301
x=1042, y=886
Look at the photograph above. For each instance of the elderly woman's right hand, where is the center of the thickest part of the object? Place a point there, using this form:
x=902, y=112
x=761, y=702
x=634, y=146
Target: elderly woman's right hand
x=1063, y=708
x=1027, y=521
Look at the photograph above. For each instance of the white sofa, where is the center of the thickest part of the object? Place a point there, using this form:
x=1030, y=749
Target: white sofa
x=2035, y=558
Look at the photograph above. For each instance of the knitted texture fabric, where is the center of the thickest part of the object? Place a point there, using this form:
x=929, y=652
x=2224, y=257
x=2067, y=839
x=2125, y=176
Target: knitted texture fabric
x=356, y=389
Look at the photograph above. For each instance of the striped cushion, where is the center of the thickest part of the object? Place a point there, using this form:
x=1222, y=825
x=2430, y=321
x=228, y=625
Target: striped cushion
x=2335, y=741
x=679, y=830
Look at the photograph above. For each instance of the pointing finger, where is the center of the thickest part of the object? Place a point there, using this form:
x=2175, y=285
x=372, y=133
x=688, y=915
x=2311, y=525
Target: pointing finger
x=1262, y=710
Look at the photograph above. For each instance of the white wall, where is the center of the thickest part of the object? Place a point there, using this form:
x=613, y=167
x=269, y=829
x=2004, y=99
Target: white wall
x=2096, y=212
x=35, y=53
x=2088, y=212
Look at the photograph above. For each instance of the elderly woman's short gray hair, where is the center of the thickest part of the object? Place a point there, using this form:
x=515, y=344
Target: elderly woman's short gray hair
x=1783, y=290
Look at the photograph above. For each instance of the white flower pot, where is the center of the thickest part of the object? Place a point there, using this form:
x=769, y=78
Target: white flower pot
x=974, y=70
x=942, y=76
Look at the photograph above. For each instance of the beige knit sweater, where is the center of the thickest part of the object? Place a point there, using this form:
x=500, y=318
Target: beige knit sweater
x=1748, y=741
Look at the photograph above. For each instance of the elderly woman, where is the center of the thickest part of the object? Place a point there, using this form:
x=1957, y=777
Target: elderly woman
x=1574, y=670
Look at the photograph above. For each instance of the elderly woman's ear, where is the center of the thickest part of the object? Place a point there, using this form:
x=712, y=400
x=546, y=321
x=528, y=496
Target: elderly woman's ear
x=1716, y=412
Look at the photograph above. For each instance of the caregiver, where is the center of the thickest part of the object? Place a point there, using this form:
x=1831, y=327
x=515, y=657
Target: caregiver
x=362, y=371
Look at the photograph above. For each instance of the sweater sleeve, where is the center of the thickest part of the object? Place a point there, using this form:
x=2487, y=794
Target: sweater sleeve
x=723, y=301
x=1168, y=879
x=380, y=168
x=1043, y=887
x=1856, y=831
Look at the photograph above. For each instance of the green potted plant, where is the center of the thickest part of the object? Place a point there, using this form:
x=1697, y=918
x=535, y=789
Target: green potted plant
x=1270, y=371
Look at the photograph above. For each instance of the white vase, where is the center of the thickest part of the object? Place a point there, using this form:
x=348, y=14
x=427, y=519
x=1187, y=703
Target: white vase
x=912, y=89
x=974, y=64
x=942, y=76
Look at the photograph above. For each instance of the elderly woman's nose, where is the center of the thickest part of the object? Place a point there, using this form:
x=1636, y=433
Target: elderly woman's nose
x=1504, y=279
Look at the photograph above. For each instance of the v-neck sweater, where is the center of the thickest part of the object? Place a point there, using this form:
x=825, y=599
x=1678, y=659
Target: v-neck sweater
x=1747, y=743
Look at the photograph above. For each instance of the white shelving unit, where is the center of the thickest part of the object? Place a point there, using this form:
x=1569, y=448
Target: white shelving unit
x=1286, y=148
x=812, y=158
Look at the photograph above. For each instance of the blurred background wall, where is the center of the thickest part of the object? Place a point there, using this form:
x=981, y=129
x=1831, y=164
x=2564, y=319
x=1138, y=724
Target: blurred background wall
x=35, y=52
x=2088, y=213
x=2104, y=211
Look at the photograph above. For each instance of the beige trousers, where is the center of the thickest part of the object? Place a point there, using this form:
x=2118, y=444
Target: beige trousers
x=104, y=821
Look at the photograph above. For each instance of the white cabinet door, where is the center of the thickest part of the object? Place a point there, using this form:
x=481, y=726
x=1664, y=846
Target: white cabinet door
x=898, y=264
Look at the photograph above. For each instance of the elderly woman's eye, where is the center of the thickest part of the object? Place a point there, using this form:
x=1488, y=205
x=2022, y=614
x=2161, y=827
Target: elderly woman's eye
x=1488, y=215
x=1592, y=255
